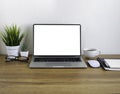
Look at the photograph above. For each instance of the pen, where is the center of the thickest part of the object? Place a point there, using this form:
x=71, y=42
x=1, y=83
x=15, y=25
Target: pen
x=103, y=62
x=107, y=65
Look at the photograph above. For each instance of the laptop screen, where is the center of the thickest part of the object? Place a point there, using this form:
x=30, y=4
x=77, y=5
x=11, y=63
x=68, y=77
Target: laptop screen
x=57, y=39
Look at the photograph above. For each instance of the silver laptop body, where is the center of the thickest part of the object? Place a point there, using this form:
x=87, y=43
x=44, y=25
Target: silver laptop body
x=57, y=46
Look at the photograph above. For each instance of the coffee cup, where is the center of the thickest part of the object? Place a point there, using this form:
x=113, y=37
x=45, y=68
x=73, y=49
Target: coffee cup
x=91, y=53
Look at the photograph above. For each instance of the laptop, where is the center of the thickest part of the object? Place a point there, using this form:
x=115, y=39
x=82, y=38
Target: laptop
x=57, y=46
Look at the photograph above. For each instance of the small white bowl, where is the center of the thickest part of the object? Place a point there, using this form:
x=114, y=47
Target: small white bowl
x=91, y=53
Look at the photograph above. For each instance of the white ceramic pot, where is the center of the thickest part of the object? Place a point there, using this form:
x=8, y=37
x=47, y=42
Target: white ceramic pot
x=13, y=50
x=24, y=53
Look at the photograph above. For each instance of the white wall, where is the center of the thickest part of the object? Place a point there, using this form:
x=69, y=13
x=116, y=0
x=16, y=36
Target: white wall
x=100, y=19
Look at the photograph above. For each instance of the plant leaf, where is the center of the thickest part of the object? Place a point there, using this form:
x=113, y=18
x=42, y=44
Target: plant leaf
x=11, y=36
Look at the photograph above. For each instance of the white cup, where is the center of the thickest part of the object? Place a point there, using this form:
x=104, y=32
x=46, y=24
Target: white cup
x=91, y=52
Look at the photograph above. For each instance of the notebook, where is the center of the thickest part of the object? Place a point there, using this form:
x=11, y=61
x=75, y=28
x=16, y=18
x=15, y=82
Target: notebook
x=113, y=63
x=57, y=46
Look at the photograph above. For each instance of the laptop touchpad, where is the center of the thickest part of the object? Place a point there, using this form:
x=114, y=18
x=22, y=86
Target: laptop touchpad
x=58, y=63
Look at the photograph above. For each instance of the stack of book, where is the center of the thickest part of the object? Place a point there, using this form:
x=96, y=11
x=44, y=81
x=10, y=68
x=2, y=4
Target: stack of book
x=110, y=64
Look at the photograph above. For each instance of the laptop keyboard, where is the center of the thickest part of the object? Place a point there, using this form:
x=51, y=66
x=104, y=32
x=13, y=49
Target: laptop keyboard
x=56, y=59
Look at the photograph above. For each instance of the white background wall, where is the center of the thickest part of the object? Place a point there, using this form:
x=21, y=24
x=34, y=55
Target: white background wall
x=100, y=19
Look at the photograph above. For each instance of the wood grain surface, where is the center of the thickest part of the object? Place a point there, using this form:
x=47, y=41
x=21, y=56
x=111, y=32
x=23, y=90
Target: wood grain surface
x=18, y=78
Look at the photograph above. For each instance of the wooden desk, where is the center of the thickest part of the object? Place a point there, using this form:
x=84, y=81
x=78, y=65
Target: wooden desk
x=17, y=78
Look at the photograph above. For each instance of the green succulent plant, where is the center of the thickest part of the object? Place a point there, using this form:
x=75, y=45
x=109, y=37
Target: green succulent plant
x=12, y=35
x=23, y=47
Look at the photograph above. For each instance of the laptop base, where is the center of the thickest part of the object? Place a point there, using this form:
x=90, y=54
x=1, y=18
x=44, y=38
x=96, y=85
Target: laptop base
x=80, y=64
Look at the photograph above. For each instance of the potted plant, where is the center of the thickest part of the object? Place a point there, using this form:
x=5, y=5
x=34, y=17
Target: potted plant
x=24, y=52
x=12, y=38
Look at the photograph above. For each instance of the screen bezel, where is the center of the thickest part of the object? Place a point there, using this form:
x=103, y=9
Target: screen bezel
x=51, y=56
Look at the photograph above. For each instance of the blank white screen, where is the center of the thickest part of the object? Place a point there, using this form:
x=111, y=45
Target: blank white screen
x=56, y=39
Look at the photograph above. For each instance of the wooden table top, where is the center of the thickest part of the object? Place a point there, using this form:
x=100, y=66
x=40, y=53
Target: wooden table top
x=18, y=78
